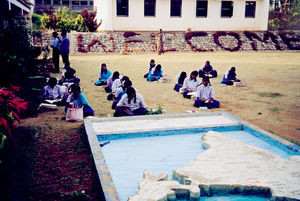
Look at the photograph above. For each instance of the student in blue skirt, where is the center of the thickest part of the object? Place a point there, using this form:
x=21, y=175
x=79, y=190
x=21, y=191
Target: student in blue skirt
x=155, y=74
x=110, y=81
x=207, y=71
x=206, y=95
x=104, y=74
x=179, y=81
x=120, y=92
x=229, y=77
x=131, y=104
x=150, y=66
x=79, y=100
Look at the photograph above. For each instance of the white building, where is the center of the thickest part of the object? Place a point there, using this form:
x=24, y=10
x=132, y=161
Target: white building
x=22, y=7
x=181, y=15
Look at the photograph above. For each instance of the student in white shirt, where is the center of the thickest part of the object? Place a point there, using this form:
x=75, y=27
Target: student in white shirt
x=206, y=95
x=131, y=103
x=150, y=66
x=179, y=81
x=52, y=90
x=190, y=84
x=116, y=84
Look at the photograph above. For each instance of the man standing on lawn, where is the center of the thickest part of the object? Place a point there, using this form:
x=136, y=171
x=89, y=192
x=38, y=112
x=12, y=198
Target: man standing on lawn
x=55, y=53
x=65, y=48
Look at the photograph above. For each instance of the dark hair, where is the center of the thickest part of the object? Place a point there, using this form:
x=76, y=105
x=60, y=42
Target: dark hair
x=232, y=69
x=75, y=88
x=152, y=60
x=157, y=68
x=206, y=78
x=194, y=73
x=115, y=75
x=151, y=66
x=63, y=32
x=207, y=62
x=124, y=78
x=127, y=84
x=52, y=80
x=131, y=91
x=181, y=77
x=54, y=34
x=105, y=69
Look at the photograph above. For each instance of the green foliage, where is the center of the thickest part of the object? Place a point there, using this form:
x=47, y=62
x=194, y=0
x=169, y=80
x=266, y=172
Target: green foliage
x=159, y=110
x=286, y=19
x=79, y=24
x=45, y=21
x=15, y=43
x=36, y=21
x=66, y=13
x=66, y=24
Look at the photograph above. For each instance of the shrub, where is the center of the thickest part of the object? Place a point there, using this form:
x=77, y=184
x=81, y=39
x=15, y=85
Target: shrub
x=90, y=20
x=36, y=22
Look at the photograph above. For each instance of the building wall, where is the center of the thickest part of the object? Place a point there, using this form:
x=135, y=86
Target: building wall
x=188, y=20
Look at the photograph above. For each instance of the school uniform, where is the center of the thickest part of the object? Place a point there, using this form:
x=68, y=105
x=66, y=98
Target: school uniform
x=81, y=101
x=206, y=92
x=178, y=85
x=137, y=107
x=116, y=84
x=154, y=75
x=206, y=69
x=103, y=77
x=51, y=93
x=65, y=49
x=229, y=78
x=149, y=70
x=109, y=84
x=118, y=95
x=189, y=85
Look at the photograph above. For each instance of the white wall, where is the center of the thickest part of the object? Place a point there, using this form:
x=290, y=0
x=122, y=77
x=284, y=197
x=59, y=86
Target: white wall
x=213, y=22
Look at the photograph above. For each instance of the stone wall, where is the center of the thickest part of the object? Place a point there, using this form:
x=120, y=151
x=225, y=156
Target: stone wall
x=137, y=42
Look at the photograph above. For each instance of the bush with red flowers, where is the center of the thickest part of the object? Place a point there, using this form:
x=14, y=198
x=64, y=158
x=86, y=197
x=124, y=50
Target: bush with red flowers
x=291, y=40
x=273, y=37
x=223, y=33
x=251, y=36
x=10, y=109
x=80, y=45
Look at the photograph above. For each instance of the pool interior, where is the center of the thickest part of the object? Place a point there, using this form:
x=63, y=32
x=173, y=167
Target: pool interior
x=128, y=154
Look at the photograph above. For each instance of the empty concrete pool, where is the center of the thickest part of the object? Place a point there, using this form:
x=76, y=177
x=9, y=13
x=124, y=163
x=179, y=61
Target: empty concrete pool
x=209, y=156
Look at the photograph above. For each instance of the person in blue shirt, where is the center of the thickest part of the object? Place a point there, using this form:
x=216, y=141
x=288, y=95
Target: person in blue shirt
x=104, y=74
x=76, y=98
x=207, y=71
x=64, y=47
x=155, y=74
x=55, y=53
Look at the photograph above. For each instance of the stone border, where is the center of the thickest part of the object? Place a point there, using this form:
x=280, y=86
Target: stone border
x=104, y=176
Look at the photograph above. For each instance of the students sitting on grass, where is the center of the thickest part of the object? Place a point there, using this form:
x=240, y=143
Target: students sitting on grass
x=52, y=90
x=120, y=92
x=190, y=84
x=150, y=66
x=207, y=71
x=229, y=77
x=77, y=99
x=116, y=84
x=68, y=75
x=104, y=74
x=110, y=81
x=155, y=74
x=179, y=81
x=206, y=95
x=131, y=103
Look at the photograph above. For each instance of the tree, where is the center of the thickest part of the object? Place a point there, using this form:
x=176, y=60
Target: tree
x=90, y=20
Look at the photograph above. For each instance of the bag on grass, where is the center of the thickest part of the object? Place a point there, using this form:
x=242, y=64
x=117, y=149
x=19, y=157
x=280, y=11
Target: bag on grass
x=74, y=114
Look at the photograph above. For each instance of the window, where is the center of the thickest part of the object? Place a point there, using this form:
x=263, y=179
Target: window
x=47, y=2
x=250, y=9
x=149, y=7
x=56, y=2
x=84, y=3
x=38, y=1
x=64, y=2
x=91, y=3
x=176, y=8
x=75, y=3
x=227, y=9
x=122, y=7
x=201, y=8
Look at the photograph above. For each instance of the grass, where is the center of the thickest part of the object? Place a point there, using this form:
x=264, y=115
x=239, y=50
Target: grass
x=270, y=94
x=275, y=109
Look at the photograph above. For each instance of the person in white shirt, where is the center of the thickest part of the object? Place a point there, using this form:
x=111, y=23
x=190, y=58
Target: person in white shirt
x=116, y=84
x=206, y=95
x=131, y=103
x=52, y=90
x=179, y=81
x=55, y=53
x=150, y=66
x=190, y=84
x=207, y=71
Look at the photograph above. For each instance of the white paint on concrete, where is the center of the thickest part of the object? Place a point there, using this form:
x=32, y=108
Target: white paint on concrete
x=231, y=162
x=131, y=125
x=136, y=21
